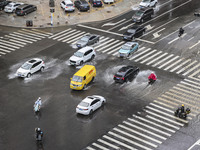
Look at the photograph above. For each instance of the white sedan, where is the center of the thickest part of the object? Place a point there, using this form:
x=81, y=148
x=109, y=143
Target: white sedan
x=11, y=7
x=148, y=3
x=30, y=67
x=90, y=104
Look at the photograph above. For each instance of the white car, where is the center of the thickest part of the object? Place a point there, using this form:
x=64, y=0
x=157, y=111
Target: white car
x=67, y=5
x=148, y=3
x=30, y=67
x=108, y=1
x=11, y=7
x=82, y=55
x=90, y=104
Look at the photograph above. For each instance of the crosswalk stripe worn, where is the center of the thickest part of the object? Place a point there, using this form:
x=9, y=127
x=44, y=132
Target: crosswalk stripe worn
x=4, y=50
x=35, y=32
x=153, y=123
x=144, y=130
x=75, y=39
x=118, y=142
x=127, y=140
x=18, y=39
x=159, y=62
x=139, y=133
x=12, y=43
x=77, y=35
x=62, y=36
x=190, y=70
x=149, y=58
x=99, y=146
x=59, y=33
x=168, y=62
x=31, y=34
x=36, y=38
x=109, y=144
x=186, y=67
x=174, y=64
x=139, y=54
x=181, y=65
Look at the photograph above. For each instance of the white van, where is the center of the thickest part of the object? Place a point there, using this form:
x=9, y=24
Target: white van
x=67, y=5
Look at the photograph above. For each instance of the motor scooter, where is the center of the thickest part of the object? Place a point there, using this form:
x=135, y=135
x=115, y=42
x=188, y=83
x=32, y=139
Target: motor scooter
x=180, y=114
x=36, y=108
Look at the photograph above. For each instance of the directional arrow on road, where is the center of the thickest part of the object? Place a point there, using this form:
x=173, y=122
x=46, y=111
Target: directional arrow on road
x=112, y=24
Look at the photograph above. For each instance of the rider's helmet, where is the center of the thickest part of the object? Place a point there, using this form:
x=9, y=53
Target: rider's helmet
x=39, y=98
x=182, y=104
x=38, y=129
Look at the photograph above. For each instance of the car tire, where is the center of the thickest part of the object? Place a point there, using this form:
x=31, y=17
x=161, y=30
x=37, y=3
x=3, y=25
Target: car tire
x=84, y=87
x=42, y=69
x=28, y=75
x=92, y=57
x=91, y=111
x=102, y=103
x=81, y=63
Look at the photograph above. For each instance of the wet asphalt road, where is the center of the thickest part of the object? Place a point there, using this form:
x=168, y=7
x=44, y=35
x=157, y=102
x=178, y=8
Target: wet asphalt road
x=63, y=128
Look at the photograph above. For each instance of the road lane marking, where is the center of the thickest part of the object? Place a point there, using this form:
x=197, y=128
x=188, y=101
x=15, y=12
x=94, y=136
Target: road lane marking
x=151, y=57
x=185, y=62
x=7, y=48
x=145, y=55
x=153, y=123
x=176, y=39
x=168, y=62
x=99, y=146
x=116, y=45
x=156, y=59
x=104, y=47
x=68, y=34
x=12, y=43
x=112, y=24
x=9, y=45
x=190, y=39
x=174, y=63
x=109, y=144
x=162, y=60
x=118, y=142
x=194, y=45
x=186, y=67
x=27, y=35
x=144, y=130
x=96, y=47
x=139, y=54
x=75, y=37
x=59, y=33
x=190, y=70
x=139, y=133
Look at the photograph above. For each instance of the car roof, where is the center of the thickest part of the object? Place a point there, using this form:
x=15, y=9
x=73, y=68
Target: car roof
x=89, y=99
x=145, y=9
x=68, y=1
x=83, y=1
x=84, y=49
x=126, y=68
x=34, y=60
x=130, y=43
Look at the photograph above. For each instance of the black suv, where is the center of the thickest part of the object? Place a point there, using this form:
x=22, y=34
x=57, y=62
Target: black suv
x=126, y=73
x=96, y=3
x=82, y=5
x=134, y=32
x=143, y=14
x=3, y=3
x=25, y=9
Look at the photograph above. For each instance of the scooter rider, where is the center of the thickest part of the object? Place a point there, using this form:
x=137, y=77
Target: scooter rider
x=38, y=132
x=182, y=108
x=39, y=102
x=152, y=78
x=181, y=31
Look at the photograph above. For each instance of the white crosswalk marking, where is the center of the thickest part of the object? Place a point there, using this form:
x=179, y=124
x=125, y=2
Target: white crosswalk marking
x=35, y=32
x=22, y=37
x=186, y=67
x=2, y=53
x=159, y=62
x=157, y=58
x=75, y=39
x=109, y=144
x=190, y=70
x=145, y=55
x=18, y=39
x=181, y=65
x=104, y=48
x=68, y=34
x=168, y=62
x=7, y=48
x=59, y=33
x=11, y=43
x=137, y=55
x=99, y=146
x=4, y=50
x=195, y=73
x=42, y=31
x=31, y=34
x=173, y=64
x=116, y=45
x=151, y=57
x=96, y=47
x=70, y=38
x=90, y=148
x=17, y=42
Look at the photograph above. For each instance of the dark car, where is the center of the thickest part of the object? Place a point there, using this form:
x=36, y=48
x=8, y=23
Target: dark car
x=143, y=14
x=87, y=40
x=126, y=73
x=134, y=32
x=25, y=9
x=95, y=3
x=3, y=3
x=82, y=5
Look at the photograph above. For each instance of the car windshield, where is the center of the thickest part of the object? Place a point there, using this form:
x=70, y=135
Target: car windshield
x=145, y=0
x=118, y=75
x=78, y=54
x=84, y=104
x=139, y=13
x=77, y=79
x=85, y=38
x=131, y=31
x=26, y=66
x=126, y=47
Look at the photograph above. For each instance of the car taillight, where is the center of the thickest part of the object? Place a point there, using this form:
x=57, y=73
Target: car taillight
x=122, y=78
x=66, y=7
x=73, y=6
x=21, y=11
x=95, y=3
x=114, y=76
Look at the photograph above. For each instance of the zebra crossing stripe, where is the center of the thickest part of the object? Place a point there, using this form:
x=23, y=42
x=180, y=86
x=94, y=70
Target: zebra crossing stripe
x=164, y=118
x=62, y=36
x=31, y=34
x=139, y=54
x=174, y=64
x=96, y=47
x=71, y=35
x=134, y=137
x=17, y=41
x=108, y=45
x=195, y=73
x=188, y=88
x=27, y=36
x=90, y=148
x=153, y=123
x=59, y=33
x=197, y=87
x=127, y=140
x=144, y=130
x=168, y=62
x=35, y=32
x=4, y=50
x=7, y=48
x=162, y=108
x=2, y=53
x=77, y=35
x=99, y=146
x=139, y=133
x=195, y=78
x=150, y=127
x=17, y=38
x=23, y=37
x=118, y=142
x=190, y=70
x=162, y=60
x=75, y=39
x=167, y=101
x=186, y=67
x=119, y=48
x=42, y=31
x=116, y=45
x=163, y=122
x=145, y=55
x=156, y=58
x=151, y=57
x=109, y=144
x=163, y=104
x=191, y=81
x=171, y=116
x=12, y=43
x=185, y=62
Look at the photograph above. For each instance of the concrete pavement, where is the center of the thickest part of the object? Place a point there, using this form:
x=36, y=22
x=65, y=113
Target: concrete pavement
x=42, y=17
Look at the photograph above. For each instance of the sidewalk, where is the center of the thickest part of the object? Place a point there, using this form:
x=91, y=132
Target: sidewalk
x=42, y=17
